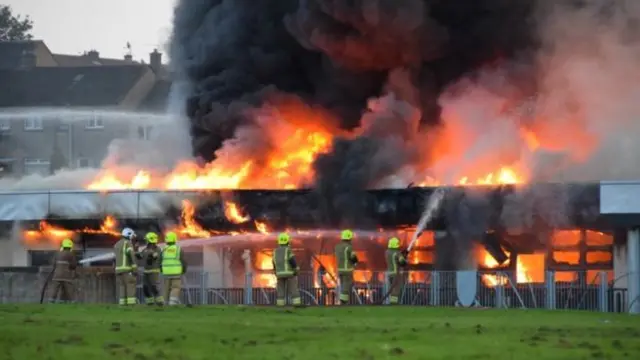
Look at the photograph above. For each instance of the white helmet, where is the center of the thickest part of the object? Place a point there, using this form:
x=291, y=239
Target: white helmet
x=128, y=234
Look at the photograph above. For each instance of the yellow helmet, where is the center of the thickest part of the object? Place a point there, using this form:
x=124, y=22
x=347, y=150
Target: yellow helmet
x=171, y=238
x=151, y=238
x=66, y=244
x=346, y=235
x=283, y=239
x=394, y=243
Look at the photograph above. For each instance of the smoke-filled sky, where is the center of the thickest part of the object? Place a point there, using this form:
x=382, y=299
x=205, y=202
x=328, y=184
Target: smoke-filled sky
x=76, y=26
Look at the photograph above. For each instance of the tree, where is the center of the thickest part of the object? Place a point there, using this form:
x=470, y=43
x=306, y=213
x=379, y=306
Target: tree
x=14, y=27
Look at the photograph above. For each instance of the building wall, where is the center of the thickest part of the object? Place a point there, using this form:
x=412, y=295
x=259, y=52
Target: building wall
x=28, y=145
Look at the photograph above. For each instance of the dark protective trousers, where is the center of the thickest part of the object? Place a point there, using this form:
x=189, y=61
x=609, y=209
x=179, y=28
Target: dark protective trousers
x=396, y=283
x=151, y=289
x=346, y=283
x=287, y=287
x=126, y=289
x=63, y=291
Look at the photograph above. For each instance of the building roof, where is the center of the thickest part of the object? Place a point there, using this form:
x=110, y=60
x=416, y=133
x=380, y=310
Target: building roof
x=11, y=53
x=158, y=98
x=84, y=60
x=69, y=86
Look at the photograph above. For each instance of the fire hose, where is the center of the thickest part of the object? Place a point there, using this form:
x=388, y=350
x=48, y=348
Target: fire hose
x=47, y=280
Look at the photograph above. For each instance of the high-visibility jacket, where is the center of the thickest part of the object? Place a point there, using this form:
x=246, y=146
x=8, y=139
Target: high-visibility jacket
x=345, y=257
x=171, y=261
x=284, y=262
x=395, y=259
x=124, y=255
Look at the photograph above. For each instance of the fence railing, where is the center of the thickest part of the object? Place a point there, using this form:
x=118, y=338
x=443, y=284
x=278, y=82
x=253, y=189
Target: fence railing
x=428, y=288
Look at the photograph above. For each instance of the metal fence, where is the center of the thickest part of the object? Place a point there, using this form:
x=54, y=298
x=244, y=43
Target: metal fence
x=597, y=292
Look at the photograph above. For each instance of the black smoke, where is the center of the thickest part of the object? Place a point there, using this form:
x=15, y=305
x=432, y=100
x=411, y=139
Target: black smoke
x=338, y=54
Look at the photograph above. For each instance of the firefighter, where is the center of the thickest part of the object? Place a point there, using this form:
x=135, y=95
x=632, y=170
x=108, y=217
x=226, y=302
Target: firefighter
x=286, y=269
x=151, y=257
x=126, y=267
x=173, y=266
x=396, y=260
x=64, y=271
x=346, y=260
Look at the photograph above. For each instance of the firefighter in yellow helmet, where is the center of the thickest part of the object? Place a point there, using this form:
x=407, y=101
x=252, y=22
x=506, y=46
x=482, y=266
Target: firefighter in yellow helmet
x=286, y=269
x=346, y=260
x=64, y=272
x=396, y=260
x=151, y=257
x=126, y=267
x=173, y=266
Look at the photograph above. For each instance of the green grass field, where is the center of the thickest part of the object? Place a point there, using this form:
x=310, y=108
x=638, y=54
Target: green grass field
x=72, y=332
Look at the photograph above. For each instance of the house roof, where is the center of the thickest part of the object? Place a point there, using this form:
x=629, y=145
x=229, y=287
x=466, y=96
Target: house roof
x=68, y=86
x=11, y=53
x=158, y=98
x=84, y=60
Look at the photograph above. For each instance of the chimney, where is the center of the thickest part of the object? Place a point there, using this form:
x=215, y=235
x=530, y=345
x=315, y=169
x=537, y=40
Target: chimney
x=128, y=57
x=28, y=59
x=93, y=55
x=155, y=61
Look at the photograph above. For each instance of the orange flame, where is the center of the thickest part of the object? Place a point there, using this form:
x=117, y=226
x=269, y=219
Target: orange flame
x=48, y=234
x=232, y=213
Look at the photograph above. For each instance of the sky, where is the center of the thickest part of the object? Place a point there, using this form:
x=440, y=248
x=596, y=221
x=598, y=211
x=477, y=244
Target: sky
x=76, y=26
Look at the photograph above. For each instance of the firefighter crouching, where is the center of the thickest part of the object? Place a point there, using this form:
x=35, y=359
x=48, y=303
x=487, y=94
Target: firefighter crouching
x=346, y=260
x=286, y=269
x=173, y=266
x=151, y=257
x=126, y=268
x=396, y=260
x=64, y=273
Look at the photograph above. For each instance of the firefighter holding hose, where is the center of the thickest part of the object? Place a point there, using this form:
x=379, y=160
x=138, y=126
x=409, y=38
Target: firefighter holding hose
x=64, y=271
x=396, y=259
x=126, y=267
x=286, y=269
x=151, y=257
x=173, y=265
x=346, y=260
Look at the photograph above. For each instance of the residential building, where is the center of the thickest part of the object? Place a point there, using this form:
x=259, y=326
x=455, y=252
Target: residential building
x=56, y=111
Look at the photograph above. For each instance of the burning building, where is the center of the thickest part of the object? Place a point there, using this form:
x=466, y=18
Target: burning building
x=311, y=116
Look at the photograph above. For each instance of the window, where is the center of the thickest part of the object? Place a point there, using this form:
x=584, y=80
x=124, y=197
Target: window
x=144, y=132
x=33, y=123
x=5, y=125
x=6, y=167
x=84, y=163
x=94, y=123
x=36, y=166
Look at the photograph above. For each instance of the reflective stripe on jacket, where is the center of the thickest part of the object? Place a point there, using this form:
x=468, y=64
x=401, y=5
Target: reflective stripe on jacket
x=171, y=263
x=344, y=254
x=124, y=257
x=281, y=256
x=394, y=260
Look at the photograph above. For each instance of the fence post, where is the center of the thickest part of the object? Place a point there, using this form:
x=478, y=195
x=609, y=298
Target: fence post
x=248, y=277
x=603, y=292
x=499, y=289
x=203, y=287
x=550, y=286
x=435, y=288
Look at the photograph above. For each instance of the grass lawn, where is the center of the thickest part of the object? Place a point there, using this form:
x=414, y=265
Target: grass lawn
x=72, y=332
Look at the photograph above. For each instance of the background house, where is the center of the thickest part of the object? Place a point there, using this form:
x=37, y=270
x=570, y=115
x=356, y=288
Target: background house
x=33, y=79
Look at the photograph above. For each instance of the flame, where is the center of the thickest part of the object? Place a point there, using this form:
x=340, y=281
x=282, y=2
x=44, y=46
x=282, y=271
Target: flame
x=190, y=227
x=264, y=264
x=48, y=234
x=233, y=214
x=292, y=135
x=261, y=227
